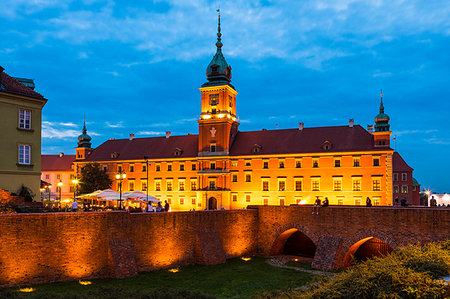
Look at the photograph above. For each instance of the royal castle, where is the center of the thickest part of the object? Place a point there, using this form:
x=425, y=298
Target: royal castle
x=223, y=167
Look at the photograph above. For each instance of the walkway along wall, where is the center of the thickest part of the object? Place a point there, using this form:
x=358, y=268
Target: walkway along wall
x=37, y=248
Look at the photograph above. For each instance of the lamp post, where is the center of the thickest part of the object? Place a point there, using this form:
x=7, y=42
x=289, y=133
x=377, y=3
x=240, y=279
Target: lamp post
x=146, y=167
x=60, y=184
x=49, y=192
x=120, y=176
x=75, y=189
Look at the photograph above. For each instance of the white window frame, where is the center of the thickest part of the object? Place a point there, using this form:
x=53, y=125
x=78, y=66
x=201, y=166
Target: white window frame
x=24, y=154
x=404, y=176
x=337, y=180
x=312, y=184
x=25, y=119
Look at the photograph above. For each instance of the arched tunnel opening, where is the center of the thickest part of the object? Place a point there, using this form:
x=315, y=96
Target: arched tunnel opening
x=294, y=242
x=299, y=244
x=365, y=249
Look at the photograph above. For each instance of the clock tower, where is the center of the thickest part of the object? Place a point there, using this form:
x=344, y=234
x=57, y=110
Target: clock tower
x=218, y=123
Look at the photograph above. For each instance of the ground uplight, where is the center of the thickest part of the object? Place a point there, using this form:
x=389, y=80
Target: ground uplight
x=27, y=290
x=174, y=270
x=246, y=259
x=84, y=282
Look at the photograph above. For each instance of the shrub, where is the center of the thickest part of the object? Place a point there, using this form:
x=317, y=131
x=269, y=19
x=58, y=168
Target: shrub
x=409, y=273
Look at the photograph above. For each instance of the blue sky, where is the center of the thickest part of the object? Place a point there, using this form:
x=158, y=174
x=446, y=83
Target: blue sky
x=135, y=67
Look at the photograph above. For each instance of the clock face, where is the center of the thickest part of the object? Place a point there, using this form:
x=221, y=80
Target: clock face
x=214, y=99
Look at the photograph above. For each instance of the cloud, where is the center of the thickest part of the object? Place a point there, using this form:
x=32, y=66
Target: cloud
x=116, y=125
x=54, y=130
x=407, y=132
x=438, y=141
x=311, y=31
x=150, y=133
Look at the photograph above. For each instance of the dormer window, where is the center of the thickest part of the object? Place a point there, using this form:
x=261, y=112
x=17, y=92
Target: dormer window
x=256, y=149
x=177, y=152
x=327, y=145
x=114, y=155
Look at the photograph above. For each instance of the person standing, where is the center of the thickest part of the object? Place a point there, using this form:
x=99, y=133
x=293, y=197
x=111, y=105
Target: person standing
x=316, y=206
x=159, y=208
x=368, y=202
x=74, y=206
x=166, y=206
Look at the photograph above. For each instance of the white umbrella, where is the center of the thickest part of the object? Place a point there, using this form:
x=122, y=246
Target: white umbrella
x=141, y=196
x=93, y=194
x=108, y=193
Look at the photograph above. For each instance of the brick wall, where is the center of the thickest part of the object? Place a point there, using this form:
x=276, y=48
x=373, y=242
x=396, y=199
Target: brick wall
x=37, y=248
x=348, y=225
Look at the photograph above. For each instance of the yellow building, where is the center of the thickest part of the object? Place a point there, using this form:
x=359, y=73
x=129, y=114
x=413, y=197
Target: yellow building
x=20, y=135
x=222, y=167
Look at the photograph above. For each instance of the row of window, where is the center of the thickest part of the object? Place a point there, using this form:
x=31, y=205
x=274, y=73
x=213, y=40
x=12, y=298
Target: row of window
x=298, y=184
x=404, y=177
x=212, y=165
x=357, y=200
x=404, y=189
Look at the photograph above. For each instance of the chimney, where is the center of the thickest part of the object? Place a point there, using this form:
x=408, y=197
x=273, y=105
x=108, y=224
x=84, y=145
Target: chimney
x=370, y=128
x=131, y=136
x=61, y=155
x=168, y=134
x=301, y=126
x=351, y=121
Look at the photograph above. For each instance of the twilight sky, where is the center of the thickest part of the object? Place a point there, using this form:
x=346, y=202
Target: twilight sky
x=135, y=67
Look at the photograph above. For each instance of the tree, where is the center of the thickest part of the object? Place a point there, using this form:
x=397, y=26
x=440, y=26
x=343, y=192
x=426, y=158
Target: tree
x=93, y=178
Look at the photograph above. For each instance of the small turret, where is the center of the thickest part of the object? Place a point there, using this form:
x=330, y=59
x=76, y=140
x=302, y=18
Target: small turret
x=84, y=140
x=84, y=144
x=382, y=119
x=382, y=133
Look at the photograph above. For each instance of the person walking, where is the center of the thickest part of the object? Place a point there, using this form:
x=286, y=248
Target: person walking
x=166, y=206
x=368, y=202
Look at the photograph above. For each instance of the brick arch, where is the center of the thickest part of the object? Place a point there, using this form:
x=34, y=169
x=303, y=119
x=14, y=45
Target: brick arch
x=283, y=232
x=352, y=244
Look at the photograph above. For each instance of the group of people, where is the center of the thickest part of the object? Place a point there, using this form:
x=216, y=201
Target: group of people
x=318, y=203
x=159, y=207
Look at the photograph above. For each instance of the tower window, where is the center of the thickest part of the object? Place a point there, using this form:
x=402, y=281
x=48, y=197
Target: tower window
x=337, y=163
x=212, y=148
x=376, y=162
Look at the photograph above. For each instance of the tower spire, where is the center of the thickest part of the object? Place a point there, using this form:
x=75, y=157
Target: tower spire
x=219, y=35
x=381, y=103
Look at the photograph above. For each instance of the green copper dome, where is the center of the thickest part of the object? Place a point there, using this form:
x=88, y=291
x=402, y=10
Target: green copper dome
x=218, y=71
x=382, y=119
x=84, y=139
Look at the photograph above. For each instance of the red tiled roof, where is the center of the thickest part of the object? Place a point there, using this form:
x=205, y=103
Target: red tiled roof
x=9, y=84
x=153, y=147
x=309, y=140
x=289, y=141
x=57, y=163
x=398, y=164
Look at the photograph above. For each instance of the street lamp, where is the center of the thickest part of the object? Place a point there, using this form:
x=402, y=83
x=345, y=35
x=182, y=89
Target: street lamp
x=146, y=167
x=60, y=184
x=75, y=189
x=120, y=177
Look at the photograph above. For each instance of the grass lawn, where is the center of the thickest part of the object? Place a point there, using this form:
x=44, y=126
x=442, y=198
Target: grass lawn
x=234, y=279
